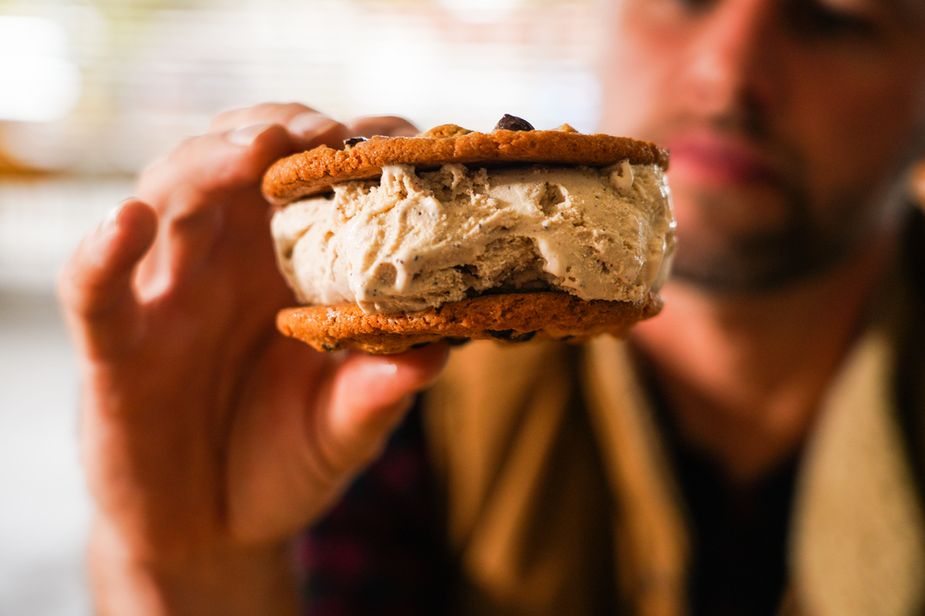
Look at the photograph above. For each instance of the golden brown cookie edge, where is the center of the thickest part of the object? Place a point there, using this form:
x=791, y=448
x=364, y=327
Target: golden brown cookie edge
x=314, y=171
x=510, y=316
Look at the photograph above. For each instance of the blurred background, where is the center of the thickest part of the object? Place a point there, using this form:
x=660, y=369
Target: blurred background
x=91, y=91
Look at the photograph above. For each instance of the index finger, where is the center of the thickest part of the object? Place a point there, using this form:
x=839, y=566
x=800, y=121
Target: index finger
x=307, y=127
x=390, y=126
x=264, y=113
x=203, y=170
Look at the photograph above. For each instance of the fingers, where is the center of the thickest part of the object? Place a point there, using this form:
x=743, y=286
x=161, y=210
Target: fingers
x=305, y=124
x=390, y=126
x=207, y=188
x=195, y=187
x=310, y=129
x=95, y=285
x=205, y=168
x=192, y=191
x=307, y=127
x=264, y=113
x=239, y=147
x=369, y=396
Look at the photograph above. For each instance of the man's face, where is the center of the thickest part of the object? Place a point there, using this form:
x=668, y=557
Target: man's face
x=789, y=122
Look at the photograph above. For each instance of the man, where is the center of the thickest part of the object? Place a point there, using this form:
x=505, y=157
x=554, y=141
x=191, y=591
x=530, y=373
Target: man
x=776, y=402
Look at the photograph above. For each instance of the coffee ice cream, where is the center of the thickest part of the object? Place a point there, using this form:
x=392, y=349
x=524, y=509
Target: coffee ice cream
x=414, y=240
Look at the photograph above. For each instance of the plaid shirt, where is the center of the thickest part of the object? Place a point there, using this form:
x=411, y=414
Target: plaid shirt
x=379, y=550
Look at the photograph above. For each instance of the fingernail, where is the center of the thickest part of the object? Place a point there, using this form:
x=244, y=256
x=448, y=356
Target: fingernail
x=107, y=228
x=381, y=369
x=246, y=135
x=112, y=216
x=310, y=124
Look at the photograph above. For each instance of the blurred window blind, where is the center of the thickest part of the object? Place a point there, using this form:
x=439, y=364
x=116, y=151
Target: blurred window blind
x=91, y=91
x=130, y=78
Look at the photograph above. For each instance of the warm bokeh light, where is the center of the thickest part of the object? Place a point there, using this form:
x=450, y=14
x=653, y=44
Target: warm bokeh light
x=40, y=81
x=480, y=10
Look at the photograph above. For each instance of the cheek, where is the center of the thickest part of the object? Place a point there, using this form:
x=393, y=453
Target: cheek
x=853, y=143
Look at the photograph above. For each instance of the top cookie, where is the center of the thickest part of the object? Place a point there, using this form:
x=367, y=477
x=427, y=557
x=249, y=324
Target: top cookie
x=513, y=141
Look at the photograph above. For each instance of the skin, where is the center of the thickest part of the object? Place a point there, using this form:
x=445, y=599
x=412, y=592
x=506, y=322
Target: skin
x=208, y=439
x=203, y=463
x=762, y=103
x=783, y=211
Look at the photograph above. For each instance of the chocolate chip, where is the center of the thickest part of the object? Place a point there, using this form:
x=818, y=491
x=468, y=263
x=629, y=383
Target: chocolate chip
x=509, y=335
x=525, y=337
x=468, y=269
x=509, y=122
x=349, y=143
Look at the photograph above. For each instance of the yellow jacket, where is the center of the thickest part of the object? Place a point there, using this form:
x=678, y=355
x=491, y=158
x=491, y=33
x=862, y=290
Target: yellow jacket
x=559, y=498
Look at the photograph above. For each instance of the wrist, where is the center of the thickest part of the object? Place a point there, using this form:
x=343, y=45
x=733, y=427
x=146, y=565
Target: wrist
x=233, y=581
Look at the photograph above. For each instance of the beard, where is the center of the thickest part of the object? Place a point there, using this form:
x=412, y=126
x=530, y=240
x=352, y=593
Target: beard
x=777, y=230
x=782, y=226
x=799, y=245
x=759, y=262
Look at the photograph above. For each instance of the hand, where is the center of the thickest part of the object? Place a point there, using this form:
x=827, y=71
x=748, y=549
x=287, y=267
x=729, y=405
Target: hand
x=208, y=439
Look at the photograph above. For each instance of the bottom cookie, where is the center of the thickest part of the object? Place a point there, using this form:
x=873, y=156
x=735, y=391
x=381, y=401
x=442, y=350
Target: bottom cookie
x=512, y=317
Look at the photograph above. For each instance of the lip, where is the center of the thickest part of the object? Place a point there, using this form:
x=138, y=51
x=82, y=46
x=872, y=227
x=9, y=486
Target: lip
x=718, y=160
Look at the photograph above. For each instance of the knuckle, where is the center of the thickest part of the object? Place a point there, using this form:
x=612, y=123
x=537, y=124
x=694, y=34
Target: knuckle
x=383, y=119
x=151, y=169
x=288, y=109
x=150, y=182
x=181, y=152
x=223, y=117
x=262, y=112
x=173, y=159
x=203, y=166
x=387, y=124
x=238, y=116
x=63, y=283
x=270, y=144
x=171, y=172
x=281, y=110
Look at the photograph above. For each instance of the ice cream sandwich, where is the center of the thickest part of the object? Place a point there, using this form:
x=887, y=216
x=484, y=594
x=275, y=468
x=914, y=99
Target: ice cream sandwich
x=393, y=242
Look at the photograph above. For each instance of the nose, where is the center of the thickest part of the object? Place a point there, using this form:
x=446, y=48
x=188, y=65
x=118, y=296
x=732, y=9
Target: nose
x=730, y=62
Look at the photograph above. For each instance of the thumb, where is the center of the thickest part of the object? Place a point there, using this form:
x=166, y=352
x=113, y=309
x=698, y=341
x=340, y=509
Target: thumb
x=369, y=395
x=287, y=463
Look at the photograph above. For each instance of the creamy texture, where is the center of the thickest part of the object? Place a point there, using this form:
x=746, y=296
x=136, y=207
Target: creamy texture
x=417, y=240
